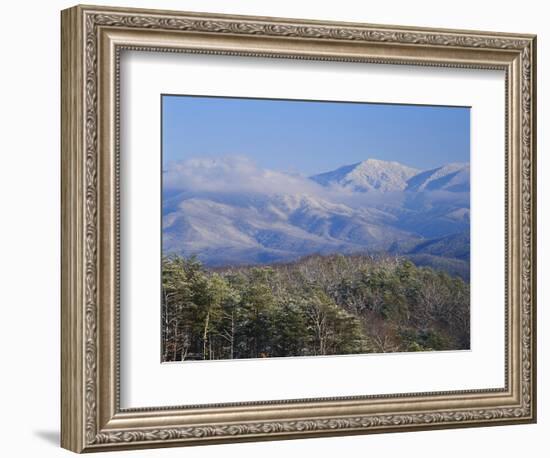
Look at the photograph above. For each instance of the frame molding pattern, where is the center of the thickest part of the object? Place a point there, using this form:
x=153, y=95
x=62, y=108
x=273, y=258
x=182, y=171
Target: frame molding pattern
x=349, y=424
x=91, y=229
x=93, y=20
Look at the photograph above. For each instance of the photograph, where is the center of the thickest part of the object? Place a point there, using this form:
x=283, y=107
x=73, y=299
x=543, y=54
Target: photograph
x=305, y=228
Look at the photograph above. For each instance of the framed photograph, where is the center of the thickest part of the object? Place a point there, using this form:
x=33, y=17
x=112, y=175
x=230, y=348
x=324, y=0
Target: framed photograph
x=278, y=228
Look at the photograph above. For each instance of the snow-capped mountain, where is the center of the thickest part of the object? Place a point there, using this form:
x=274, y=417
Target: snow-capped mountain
x=224, y=229
x=451, y=177
x=384, y=176
x=232, y=212
x=369, y=175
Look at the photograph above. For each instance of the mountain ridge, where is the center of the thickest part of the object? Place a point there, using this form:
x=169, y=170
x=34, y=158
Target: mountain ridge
x=369, y=175
x=388, y=176
x=370, y=206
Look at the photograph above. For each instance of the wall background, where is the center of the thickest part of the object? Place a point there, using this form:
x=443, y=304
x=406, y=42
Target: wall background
x=29, y=241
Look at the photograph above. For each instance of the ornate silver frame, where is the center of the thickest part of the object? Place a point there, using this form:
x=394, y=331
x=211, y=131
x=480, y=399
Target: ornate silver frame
x=92, y=38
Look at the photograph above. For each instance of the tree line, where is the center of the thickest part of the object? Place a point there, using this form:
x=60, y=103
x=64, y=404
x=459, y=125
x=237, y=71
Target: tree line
x=319, y=305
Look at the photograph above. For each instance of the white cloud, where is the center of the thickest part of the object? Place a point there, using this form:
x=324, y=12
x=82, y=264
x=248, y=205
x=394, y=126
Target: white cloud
x=239, y=175
x=233, y=174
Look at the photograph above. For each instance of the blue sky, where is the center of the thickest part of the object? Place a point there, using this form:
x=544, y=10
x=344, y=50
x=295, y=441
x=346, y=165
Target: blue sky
x=313, y=137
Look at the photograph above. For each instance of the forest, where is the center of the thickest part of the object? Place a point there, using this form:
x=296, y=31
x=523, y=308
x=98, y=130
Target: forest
x=317, y=305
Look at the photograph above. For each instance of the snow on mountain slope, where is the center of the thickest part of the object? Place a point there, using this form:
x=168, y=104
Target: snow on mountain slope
x=383, y=176
x=229, y=211
x=274, y=228
x=369, y=175
x=453, y=177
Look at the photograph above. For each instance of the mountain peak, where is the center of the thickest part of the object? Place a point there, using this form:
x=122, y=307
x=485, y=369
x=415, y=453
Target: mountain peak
x=369, y=175
x=374, y=161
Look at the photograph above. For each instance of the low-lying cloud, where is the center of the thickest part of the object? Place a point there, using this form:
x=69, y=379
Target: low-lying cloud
x=233, y=174
x=241, y=175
